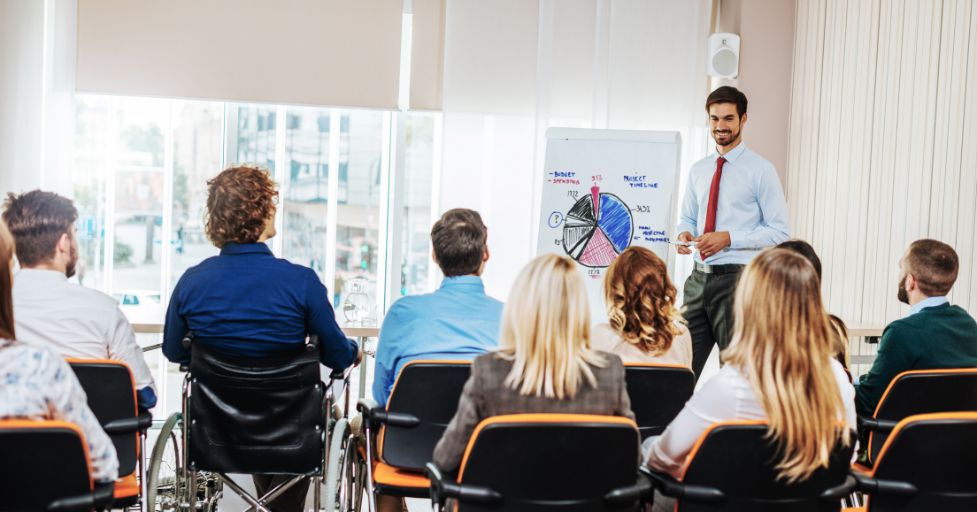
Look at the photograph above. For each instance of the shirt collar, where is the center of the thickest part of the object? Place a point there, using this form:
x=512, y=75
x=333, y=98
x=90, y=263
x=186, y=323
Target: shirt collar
x=735, y=153
x=929, y=302
x=41, y=274
x=474, y=282
x=233, y=249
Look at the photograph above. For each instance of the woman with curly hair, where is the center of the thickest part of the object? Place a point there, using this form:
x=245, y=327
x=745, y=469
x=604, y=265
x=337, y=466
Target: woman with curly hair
x=644, y=324
x=246, y=302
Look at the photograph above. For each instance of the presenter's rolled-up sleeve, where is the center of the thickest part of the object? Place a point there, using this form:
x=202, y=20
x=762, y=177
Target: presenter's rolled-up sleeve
x=335, y=350
x=774, y=223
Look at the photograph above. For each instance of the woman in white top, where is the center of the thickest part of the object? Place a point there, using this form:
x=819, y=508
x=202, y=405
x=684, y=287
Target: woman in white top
x=645, y=326
x=780, y=367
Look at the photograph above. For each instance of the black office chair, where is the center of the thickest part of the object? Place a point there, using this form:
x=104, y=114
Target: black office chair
x=111, y=392
x=732, y=467
x=262, y=415
x=658, y=392
x=918, y=392
x=927, y=463
x=423, y=401
x=541, y=462
x=45, y=466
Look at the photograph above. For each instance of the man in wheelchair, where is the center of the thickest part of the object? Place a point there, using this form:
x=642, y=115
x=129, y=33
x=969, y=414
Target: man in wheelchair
x=253, y=394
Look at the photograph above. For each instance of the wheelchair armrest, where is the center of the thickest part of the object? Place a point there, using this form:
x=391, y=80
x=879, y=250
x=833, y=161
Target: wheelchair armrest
x=839, y=491
x=376, y=415
x=869, y=423
x=129, y=425
x=442, y=489
x=870, y=485
x=643, y=490
x=675, y=489
x=100, y=498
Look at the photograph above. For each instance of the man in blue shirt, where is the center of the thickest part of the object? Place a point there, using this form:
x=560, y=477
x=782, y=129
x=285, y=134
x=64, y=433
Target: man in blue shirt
x=734, y=207
x=456, y=322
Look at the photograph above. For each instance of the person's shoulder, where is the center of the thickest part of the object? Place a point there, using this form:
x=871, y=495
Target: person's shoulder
x=604, y=337
x=491, y=363
x=756, y=160
x=30, y=359
x=93, y=297
x=704, y=164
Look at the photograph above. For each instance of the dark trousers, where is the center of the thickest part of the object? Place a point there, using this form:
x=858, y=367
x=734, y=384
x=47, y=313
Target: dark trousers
x=292, y=500
x=709, y=311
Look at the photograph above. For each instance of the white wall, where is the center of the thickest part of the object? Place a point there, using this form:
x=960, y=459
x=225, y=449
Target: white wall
x=883, y=143
x=21, y=88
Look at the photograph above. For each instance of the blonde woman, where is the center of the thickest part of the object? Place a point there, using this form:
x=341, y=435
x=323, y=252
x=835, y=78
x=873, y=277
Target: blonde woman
x=544, y=363
x=644, y=324
x=779, y=367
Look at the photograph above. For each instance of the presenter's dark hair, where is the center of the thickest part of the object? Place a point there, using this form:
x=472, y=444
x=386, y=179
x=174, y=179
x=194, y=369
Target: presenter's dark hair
x=934, y=264
x=458, y=239
x=728, y=94
x=37, y=219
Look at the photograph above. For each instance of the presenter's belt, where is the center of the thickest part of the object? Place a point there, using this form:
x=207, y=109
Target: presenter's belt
x=718, y=269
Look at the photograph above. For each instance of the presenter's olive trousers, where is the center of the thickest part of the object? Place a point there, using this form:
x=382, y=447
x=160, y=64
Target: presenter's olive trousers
x=709, y=310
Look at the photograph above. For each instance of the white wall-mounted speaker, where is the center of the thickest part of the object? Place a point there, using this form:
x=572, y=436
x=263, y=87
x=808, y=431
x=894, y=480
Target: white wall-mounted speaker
x=724, y=55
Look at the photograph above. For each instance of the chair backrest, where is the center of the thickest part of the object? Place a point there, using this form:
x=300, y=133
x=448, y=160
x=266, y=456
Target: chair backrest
x=111, y=393
x=922, y=392
x=658, y=392
x=429, y=390
x=256, y=415
x=739, y=459
x=565, y=462
x=42, y=461
x=934, y=453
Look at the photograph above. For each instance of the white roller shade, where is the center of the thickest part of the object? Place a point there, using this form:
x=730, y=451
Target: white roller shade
x=315, y=52
x=427, y=55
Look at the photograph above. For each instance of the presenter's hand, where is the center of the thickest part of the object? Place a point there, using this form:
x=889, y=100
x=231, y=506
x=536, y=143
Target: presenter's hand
x=686, y=237
x=711, y=243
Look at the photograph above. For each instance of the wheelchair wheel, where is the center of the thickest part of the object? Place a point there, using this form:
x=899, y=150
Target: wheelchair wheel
x=164, y=488
x=335, y=495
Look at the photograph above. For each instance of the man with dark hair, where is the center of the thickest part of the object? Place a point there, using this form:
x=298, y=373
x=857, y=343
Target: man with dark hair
x=458, y=321
x=934, y=335
x=50, y=312
x=734, y=207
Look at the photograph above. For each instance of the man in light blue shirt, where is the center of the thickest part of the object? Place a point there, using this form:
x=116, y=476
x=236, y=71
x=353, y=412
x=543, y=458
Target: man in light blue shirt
x=734, y=207
x=456, y=322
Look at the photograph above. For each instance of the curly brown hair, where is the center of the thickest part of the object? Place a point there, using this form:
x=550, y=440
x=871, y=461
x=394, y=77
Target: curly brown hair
x=640, y=301
x=240, y=200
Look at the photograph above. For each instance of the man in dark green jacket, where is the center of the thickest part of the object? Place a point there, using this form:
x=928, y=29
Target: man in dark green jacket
x=935, y=334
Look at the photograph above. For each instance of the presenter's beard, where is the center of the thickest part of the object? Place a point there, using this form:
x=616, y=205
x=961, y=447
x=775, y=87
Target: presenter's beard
x=725, y=137
x=902, y=294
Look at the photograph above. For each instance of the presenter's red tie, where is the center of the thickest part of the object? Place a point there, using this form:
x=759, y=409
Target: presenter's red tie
x=714, y=197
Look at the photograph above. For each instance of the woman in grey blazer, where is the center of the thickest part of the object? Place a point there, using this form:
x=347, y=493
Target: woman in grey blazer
x=544, y=363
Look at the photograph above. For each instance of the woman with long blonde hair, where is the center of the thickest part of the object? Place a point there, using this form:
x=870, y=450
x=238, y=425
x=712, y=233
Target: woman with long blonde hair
x=644, y=324
x=780, y=367
x=544, y=363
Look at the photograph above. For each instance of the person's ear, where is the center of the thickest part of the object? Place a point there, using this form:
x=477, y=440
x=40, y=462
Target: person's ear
x=485, y=255
x=910, y=283
x=743, y=120
x=64, y=243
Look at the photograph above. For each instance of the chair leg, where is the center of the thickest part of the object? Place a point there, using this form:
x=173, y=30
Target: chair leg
x=370, y=492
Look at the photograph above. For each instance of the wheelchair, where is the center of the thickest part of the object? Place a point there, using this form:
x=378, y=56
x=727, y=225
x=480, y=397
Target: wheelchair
x=272, y=415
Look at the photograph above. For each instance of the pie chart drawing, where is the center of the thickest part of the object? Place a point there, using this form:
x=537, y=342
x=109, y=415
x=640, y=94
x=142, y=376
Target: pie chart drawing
x=598, y=227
